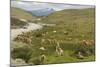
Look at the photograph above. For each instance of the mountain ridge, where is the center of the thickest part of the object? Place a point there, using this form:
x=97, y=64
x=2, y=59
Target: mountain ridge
x=42, y=12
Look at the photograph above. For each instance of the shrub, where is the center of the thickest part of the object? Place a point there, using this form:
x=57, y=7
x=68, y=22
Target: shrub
x=22, y=52
x=35, y=61
x=85, y=50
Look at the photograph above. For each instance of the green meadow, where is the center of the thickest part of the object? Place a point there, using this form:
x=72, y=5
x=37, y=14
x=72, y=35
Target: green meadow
x=72, y=26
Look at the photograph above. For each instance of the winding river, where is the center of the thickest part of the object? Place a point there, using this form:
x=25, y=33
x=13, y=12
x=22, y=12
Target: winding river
x=29, y=27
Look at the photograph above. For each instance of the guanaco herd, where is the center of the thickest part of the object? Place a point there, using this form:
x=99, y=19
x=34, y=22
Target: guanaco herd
x=27, y=38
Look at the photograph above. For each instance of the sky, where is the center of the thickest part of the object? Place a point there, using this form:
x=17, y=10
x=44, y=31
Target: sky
x=29, y=6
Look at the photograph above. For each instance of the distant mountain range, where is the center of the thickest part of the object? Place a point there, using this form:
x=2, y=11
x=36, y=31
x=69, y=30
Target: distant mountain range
x=44, y=9
x=42, y=12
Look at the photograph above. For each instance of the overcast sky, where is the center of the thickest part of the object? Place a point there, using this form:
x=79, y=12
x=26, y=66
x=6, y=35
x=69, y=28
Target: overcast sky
x=40, y=5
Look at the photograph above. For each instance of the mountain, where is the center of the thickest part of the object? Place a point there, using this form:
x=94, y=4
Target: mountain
x=42, y=12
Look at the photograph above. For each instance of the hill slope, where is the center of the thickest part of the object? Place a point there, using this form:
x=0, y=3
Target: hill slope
x=21, y=14
x=76, y=21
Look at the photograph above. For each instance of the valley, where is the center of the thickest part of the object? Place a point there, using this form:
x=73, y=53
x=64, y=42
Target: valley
x=65, y=36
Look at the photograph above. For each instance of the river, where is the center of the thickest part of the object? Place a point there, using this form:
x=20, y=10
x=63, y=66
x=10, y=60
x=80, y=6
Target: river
x=29, y=27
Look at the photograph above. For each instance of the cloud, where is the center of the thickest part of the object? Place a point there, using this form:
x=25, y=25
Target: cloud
x=39, y=5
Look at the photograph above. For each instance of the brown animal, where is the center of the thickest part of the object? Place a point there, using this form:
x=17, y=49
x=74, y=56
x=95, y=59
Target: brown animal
x=88, y=42
x=59, y=51
x=80, y=56
x=18, y=38
x=92, y=42
x=42, y=41
x=42, y=58
x=50, y=41
x=28, y=40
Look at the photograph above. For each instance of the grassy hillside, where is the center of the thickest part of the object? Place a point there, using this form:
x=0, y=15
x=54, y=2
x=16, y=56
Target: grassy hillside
x=16, y=23
x=76, y=22
x=70, y=15
x=72, y=27
x=21, y=14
